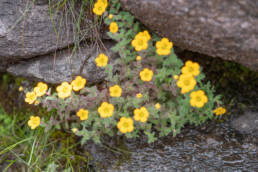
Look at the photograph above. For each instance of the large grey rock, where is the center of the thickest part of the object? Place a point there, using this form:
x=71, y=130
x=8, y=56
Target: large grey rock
x=246, y=123
x=26, y=29
x=218, y=28
x=63, y=66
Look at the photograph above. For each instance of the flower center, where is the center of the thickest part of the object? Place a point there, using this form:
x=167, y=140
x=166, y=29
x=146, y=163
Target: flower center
x=65, y=89
x=190, y=69
x=198, y=98
x=186, y=82
x=141, y=114
x=100, y=8
x=140, y=42
x=164, y=46
x=106, y=110
x=125, y=125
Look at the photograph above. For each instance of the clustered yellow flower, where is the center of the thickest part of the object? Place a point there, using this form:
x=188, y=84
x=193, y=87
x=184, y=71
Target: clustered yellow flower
x=139, y=95
x=20, y=88
x=113, y=27
x=110, y=16
x=141, y=114
x=186, y=82
x=138, y=58
x=146, y=75
x=34, y=122
x=140, y=41
x=83, y=114
x=40, y=89
x=219, y=111
x=101, y=60
x=191, y=68
x=125, y=125
x=100, y=7
x=157, y=106
x=79, y=83
x=198, y=98
x=163, y=47
x=30, y=97
x=64, y=90
x=106, y=110
x=115, y=91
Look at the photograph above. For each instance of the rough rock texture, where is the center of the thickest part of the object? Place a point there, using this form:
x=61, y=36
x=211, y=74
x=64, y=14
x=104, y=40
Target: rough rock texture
x=218, y=28
x=247, y=123
x=26, y=29
x=64, y=67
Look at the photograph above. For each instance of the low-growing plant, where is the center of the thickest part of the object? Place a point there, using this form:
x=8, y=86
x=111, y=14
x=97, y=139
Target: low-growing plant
x=147, y=90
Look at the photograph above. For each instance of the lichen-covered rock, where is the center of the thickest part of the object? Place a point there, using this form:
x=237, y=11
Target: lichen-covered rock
x=218, y=28
x=27, y=30
x=63, y=66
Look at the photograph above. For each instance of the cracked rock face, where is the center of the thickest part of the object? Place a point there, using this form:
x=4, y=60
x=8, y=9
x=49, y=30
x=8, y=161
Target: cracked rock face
x=219, y=28
x=26, y=30
x=63, y=66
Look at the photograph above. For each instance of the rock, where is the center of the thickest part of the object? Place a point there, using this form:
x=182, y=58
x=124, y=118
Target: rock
x=64, y=66
x=218, y=28
x=26, y=29
x=246, y=123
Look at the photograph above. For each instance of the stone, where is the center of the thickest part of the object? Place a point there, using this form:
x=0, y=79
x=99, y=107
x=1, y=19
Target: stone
x=27, y=30
x=63, y=66
x=246, y=123
x=218, y=28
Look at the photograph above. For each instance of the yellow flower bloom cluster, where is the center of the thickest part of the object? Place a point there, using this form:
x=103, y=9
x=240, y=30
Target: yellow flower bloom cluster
x=157, y=106
x=191, y=68
x=140, y=41
x=106, y=110
x=125, y=125
x=79, y=83
x=34, y=122
x=146, y=75
x=115, y=91
x=219, y=111
x=100, y=7
x=38, y=91
x=65, y=89
x=138, y=58
x=113, y=27
x=141, y=114
x=101, y=60
x=139, y=95
x=83, y=114
x=163, y=47
x=198, y=99
x=186, y=82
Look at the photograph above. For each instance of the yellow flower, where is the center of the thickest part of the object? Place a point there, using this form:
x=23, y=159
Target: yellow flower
x=157, y=106
x=139, y=95
x=186, y=83
x=198, y=98
x=20, y=88
x=163, y=47
x=106, y=110
x=104, y=1
x=30, y=97
x=101, y=60
x=146, y=74
x=110, y=16
x=146, y=34
x=115, y=91
x=113, y=27
x=40, y=89
x=125, y=125
x=140, y=42
x=99, y=8
x=36, y=102
x=138, y=58
x=191, y=68
x=74, y=130
x=175, y=77
x=141, y=114
x=64, y=90
x=83, y=114
x=79, y=83
x=219, y=111
x=34, y=122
